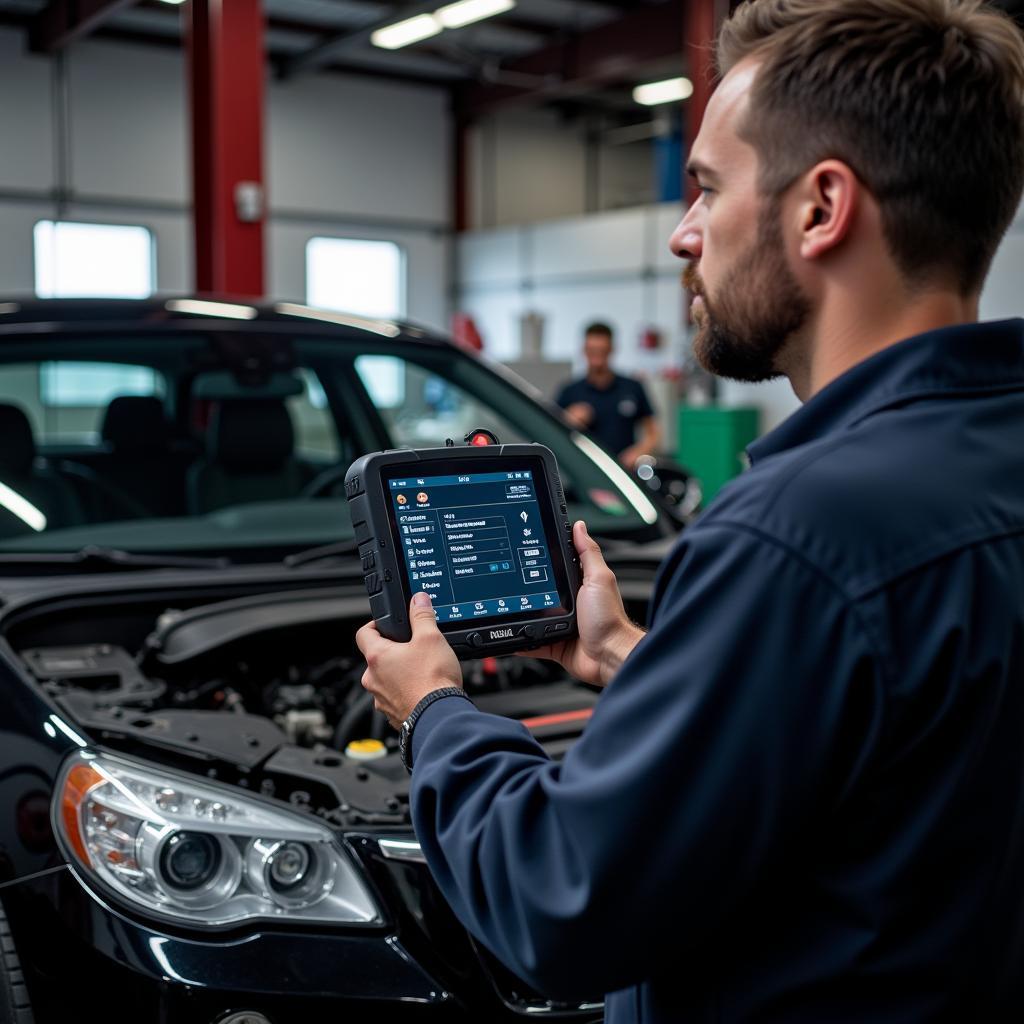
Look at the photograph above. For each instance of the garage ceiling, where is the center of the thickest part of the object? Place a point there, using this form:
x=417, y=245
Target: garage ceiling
x=306, y=34
x=583, y=53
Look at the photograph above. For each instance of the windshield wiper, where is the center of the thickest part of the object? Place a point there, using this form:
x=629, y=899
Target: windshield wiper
x=96, y=558
x=322, y=553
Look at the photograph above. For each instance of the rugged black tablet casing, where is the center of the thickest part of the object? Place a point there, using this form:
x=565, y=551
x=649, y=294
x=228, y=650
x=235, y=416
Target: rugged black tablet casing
x=383, y=573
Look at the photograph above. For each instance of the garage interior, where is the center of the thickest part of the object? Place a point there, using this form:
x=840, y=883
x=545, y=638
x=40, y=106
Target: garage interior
x=507, y=159
x=500, y=174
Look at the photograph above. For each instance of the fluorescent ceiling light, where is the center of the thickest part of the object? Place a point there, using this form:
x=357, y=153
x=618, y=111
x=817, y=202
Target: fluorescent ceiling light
x=175, y=2
x=673, y=90
x=465, y=12
x=405, y=33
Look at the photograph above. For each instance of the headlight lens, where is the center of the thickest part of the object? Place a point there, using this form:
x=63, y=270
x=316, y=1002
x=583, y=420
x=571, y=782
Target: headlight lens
x=184, y=849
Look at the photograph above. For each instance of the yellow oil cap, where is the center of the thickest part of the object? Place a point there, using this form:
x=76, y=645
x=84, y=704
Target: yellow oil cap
x=366, y=750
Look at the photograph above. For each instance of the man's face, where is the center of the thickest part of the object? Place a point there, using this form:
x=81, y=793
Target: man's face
x=597, y=350
x=748, y=304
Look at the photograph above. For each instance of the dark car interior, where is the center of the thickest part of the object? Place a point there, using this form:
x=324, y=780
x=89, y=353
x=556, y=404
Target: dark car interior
x=144, y=468
x=224, y=446
x=113, y=440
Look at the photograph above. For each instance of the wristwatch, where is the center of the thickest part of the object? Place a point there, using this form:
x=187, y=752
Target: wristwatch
x=405, y=733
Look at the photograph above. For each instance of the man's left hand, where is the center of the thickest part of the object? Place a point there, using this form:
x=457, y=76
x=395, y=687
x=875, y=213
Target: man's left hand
x=400, y=675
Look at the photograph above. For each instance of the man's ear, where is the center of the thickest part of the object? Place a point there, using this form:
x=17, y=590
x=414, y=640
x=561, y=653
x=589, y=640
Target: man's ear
x=829, y=195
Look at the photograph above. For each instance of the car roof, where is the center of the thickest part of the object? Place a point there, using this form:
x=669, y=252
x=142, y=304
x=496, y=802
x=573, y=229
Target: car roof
x=206, y=312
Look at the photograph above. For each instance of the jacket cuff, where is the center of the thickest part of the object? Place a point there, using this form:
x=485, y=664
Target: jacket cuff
x=434, y=716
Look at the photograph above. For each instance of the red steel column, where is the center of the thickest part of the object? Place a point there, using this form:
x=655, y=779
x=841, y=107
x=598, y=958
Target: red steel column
x=702, y=20
x=226, y=61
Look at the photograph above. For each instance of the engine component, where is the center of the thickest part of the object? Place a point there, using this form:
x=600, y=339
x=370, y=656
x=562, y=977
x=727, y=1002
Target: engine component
x=100, y=668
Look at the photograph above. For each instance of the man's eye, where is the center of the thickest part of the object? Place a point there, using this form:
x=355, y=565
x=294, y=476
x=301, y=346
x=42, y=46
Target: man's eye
x=706, y=191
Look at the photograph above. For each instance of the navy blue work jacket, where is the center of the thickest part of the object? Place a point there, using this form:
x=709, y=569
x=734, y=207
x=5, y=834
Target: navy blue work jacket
x=802, y=798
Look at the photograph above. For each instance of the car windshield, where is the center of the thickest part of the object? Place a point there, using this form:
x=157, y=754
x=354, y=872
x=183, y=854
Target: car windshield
x=236, y=443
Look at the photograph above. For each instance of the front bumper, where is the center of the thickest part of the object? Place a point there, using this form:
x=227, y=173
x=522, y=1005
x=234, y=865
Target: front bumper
x=79, y=951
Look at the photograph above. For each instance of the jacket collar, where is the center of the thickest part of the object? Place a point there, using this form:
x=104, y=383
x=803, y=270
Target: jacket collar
x=962, y=359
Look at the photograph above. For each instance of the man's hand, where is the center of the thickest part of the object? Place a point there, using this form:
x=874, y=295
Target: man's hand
x=400, y=675
x=581, y=414
x=628, y=456
x=606, y=635
x=650, y=438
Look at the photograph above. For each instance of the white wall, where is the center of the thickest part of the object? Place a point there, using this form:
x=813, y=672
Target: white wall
x=344, y=156
x=613, y=266
x=1004, y=293
x=527, y=166
x=26, y=157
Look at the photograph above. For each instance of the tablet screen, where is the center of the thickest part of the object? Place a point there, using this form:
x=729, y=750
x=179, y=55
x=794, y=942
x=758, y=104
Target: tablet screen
x=479, y=543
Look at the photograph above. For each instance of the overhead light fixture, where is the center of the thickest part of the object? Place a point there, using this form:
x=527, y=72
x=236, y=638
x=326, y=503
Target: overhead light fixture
x=176, y=3
x=465, y=12
x=405, y=33
x=672, y=90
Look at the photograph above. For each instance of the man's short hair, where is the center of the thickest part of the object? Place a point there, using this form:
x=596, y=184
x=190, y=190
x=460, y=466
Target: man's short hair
x=922, y=99
x=601, y=329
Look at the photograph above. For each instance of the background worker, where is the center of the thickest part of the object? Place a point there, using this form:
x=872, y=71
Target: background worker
x=611, y=407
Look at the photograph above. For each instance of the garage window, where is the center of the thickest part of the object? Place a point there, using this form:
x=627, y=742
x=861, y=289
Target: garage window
x=354, y=275
x=75, y=260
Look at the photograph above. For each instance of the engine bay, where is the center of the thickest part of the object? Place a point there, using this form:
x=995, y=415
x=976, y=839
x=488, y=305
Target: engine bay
x=263, y=691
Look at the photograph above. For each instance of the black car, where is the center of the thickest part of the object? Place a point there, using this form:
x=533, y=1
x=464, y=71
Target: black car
x=203, y=817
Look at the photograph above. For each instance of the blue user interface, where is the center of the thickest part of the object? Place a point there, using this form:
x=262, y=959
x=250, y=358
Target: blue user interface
x=475, y=543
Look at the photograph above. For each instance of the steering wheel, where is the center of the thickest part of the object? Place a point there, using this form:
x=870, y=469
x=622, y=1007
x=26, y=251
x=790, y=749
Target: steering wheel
x=323, y=482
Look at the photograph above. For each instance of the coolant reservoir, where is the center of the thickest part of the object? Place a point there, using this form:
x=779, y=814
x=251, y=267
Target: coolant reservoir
x=366, y=750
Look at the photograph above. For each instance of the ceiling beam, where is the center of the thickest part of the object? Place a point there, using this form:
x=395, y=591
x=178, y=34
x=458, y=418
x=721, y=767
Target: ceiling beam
x=63, y=21
x=615, y=51
x=330, y=49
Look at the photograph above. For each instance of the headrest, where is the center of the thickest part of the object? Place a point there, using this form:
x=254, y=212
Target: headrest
x=17, y=445
x=135, y=423
x=251, y=435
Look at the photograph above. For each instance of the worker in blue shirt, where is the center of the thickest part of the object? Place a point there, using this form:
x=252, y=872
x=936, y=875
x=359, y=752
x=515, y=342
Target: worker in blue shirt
x=613, y=408
x=801, y=794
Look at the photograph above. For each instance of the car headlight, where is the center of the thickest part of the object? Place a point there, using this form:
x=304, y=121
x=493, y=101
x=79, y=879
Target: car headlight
x=183, y=849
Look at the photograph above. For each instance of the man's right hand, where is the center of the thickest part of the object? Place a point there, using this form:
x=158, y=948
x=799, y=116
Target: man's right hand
x=606, y=635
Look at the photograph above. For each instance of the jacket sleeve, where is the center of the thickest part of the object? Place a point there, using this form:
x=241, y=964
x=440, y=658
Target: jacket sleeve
x=743, y=715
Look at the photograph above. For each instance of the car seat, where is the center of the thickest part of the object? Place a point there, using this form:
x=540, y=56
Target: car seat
x=139, y=460
x=32, y=480
x=249, y=457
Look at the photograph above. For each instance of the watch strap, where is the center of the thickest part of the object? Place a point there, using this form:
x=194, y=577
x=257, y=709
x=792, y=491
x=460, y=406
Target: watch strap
x=405, y=735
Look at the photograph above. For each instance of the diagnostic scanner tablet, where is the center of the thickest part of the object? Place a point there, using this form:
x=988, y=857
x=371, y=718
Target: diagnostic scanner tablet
x=483, y=530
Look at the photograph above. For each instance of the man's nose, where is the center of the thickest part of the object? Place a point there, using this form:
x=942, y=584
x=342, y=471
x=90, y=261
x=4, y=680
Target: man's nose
x=686, y=241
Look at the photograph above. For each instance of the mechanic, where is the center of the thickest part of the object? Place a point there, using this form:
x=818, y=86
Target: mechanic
x=609, y=406
x=801, y=797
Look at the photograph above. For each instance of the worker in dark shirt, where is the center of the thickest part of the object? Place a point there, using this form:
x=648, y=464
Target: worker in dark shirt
x=801, y=795
x=611, y=407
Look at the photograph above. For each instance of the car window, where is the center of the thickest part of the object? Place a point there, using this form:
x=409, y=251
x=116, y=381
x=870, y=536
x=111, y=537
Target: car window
x=429, y=396
x=65, y=401
x=422, y=409
x=239, y=445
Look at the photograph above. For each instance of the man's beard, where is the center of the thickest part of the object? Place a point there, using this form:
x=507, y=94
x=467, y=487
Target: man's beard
x=754, y=313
